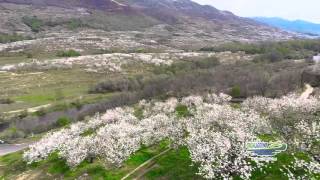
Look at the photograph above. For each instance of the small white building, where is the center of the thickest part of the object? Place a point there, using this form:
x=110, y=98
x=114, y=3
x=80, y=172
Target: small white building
x=316, y=59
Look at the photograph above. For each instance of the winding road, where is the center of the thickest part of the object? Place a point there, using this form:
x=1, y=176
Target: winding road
x=11, y=148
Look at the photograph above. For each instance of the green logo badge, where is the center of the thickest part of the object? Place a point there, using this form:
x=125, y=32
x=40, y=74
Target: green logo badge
x=266, y=149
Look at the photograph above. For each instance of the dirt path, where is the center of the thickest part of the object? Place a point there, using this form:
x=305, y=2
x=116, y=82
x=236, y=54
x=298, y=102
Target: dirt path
x=307, y=92
x=30, y=175
x=144, y=164
x=29, y=110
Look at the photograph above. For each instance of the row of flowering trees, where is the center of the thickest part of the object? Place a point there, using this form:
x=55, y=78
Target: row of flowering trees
x=214, y=132
x=295, y=118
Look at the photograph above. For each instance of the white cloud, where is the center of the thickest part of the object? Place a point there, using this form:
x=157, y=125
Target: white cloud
x=289, y=9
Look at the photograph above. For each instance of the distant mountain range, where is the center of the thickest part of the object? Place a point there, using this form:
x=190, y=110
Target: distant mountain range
x=296, y=26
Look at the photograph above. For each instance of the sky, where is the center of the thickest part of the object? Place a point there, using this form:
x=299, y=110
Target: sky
x=289, y=9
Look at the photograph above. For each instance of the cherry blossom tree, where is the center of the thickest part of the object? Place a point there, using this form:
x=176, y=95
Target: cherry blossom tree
x=215, y=133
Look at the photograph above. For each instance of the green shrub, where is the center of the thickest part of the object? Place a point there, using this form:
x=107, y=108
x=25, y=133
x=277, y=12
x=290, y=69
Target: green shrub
x=272, y=51
x=29, y=55
x=60, y=107
x=57, y=165
x=235, y=105
x=88, y=132
x=7, y=38
x=268, y=137
x=40, y=112
x=182, y=111
x=23, y=114
x=63, y=121
x=77, y=104
x=140, y=50
x=68, y=53
x=236, y=46
x=59, y=95
x=6, y=101
x=118, y=84
x=186, y=66
x=207, y=63
x=271, y=56
x=75, y=24
x=138, y=112
x=33, y=22
x=12, y=133
x=235, y=91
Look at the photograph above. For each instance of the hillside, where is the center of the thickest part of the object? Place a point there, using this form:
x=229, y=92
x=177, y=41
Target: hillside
x=295, y=26
x=180, y=24
x=105, y=5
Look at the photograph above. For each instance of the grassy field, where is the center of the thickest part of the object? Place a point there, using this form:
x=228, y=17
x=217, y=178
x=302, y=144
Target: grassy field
x=173, y=165
x=26, y=56
x=30, y=89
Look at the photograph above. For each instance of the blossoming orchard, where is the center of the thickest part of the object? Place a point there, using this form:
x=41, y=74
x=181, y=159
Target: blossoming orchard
x=213, y=129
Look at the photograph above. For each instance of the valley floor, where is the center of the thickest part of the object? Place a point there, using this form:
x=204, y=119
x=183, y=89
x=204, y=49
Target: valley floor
x=43, y=93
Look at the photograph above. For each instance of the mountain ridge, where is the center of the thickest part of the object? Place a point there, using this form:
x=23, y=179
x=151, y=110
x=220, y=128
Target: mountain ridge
x=91, y=4
x=162, y=7
x=300, y=26
x=181, y=22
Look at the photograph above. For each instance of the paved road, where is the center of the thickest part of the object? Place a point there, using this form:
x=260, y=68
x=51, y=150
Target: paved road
x=11, y=148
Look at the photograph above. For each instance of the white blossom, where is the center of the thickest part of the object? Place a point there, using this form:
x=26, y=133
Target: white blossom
x=215, y=134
